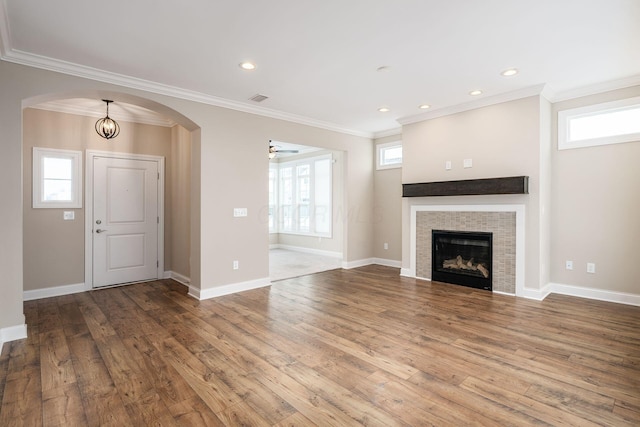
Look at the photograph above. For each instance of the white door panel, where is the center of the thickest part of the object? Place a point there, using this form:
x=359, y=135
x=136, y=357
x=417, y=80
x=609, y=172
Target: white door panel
x=125, y=220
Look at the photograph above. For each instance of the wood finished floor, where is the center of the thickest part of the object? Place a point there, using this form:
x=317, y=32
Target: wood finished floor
x=339, y=348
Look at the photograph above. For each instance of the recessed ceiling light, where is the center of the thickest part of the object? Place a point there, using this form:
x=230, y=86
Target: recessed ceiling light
x=509, y=72
x=247, y=65
x=475, y=92
x=384, y=109
x=424, y=106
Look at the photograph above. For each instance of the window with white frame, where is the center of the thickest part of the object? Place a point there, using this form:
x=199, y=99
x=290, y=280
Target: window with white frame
x=600, y=124
x=300, y=199
x=389, y=155
x=57, y=178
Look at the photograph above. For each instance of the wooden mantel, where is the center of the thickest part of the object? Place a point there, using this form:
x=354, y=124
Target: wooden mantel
x=468, y=187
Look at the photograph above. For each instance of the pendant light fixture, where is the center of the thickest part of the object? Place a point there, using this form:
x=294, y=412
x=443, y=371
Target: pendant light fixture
x=106, y=126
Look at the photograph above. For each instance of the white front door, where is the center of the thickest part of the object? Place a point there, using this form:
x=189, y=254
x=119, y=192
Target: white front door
x=125, y=220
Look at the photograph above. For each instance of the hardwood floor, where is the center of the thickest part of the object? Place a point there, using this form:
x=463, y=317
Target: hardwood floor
x=338, y=348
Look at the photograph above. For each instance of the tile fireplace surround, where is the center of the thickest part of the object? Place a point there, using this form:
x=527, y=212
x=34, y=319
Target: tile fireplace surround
x=506, y=222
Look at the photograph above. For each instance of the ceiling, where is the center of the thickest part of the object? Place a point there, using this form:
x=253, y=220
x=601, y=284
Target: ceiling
x=320, y=62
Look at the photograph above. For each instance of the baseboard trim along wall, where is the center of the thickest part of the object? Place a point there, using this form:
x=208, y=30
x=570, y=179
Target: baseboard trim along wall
x=56, y=291
x=12, y=333
x=307, y=250
x=595, y=294
x=218, y=291
x=388, y=262
x=348, y=265
x=183, y=280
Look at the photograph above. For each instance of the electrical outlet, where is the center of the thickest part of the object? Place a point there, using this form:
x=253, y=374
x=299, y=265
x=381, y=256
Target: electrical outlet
x=591, y=267
x=239, y=212
x=447, y=165
x=386, y=246
x=569, y=265
x=236, y=265
x=467, y=163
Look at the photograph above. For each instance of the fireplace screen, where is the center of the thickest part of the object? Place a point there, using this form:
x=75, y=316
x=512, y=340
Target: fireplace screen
x=462, y=258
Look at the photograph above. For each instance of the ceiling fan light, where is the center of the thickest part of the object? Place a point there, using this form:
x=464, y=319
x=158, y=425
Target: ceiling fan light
x=106, y=127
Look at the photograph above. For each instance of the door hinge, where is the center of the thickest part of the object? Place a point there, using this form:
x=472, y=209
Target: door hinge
x=157, y=264
x=158, y=176
x=158, y=219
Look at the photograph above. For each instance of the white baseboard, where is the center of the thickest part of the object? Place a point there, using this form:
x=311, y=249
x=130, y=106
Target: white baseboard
x=12, y=333
x=53, y=292
x=535, y=294
x=406, y=272
x=218, y=291
x=307, y=250
x=387, y=262
x=347, y=265
x=595, y=294
x=183, y=280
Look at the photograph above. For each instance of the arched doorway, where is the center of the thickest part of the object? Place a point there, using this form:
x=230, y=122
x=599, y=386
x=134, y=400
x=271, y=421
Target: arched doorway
x=56, y=240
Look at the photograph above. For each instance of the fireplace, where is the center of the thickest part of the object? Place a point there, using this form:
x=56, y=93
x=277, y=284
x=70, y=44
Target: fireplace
x=462, y=258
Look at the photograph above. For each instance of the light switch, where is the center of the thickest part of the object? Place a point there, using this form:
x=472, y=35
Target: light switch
x=467, y=163
x=447, y=165
x=69, y=215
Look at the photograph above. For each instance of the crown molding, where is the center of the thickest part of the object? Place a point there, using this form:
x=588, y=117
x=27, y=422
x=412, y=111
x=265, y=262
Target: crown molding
x=597, y=88
x=388, y=132
x=479, y=103
x=69, y=68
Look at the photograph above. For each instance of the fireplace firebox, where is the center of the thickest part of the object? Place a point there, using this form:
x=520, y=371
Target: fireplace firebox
x=462, y=258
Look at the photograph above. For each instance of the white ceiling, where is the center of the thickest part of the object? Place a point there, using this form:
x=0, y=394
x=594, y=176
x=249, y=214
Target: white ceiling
x=317, y=61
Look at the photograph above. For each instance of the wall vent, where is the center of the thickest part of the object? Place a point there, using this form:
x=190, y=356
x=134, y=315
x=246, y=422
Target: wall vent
x=258, y=98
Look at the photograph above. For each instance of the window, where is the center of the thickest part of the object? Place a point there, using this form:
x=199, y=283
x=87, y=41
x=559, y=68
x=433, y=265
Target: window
x=600, y=124
x=389, y=155
x=57, y=179
x=301, y=200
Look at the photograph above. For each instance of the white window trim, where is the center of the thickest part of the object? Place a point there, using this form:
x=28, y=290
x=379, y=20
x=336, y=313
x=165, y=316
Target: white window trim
x=293, y=164
x=76, y=178
x=276, y=195
x=382, y=147
x=565, y=116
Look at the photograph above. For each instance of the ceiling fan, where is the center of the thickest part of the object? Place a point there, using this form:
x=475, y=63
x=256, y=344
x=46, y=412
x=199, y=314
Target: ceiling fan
x=274, y=150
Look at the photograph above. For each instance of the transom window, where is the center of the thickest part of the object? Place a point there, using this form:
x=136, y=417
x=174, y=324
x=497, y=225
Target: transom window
x=300, y=194
x=600, y=124
x=389, y=155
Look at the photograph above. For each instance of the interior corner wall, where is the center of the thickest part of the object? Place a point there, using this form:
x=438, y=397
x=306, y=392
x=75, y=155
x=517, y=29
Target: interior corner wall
x=502, y=140
x=180, y=208
x=11, y=310
x=595, y=206
x=387, y=208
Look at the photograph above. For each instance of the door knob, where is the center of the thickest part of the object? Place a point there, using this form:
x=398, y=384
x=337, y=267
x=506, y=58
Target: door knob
x=100, y=231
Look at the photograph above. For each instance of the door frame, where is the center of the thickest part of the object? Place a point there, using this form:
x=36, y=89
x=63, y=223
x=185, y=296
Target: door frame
x=88, y=210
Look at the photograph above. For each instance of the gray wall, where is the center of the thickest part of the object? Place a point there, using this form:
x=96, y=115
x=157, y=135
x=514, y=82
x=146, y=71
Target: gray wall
x=54, y=248
x=387, y=209
x=502, y=140
x=595, y=208
x=228, y=169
